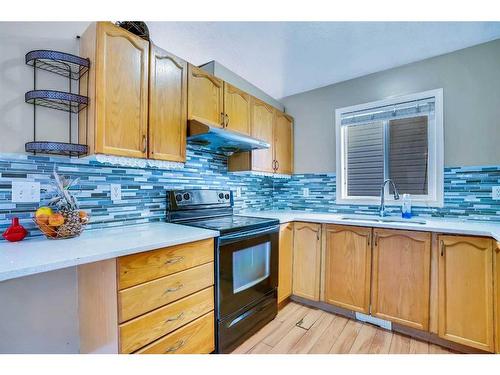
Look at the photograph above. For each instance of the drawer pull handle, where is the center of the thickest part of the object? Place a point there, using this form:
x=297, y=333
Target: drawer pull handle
x=174, y=289
x=176, y=347
x=173, y=319
x=174, y=260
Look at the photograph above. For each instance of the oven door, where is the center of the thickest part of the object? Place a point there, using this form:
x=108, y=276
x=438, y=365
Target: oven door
x=247, y=268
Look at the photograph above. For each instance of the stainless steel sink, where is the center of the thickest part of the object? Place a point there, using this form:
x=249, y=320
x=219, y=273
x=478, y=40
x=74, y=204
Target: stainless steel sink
x=385, y=219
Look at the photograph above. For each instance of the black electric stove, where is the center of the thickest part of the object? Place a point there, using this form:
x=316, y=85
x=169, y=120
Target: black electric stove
x=246, y=262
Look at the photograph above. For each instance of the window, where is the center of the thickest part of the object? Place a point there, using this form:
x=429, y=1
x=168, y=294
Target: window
x=400, y=139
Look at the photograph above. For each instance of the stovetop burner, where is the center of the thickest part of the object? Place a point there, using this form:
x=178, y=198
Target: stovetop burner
x=232, y=223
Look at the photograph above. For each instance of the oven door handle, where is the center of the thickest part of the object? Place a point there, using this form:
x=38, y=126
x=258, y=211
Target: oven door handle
x=249, y=313
x=249, y=234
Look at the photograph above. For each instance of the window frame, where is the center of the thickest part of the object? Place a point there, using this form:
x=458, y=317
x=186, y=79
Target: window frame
x=435, y=196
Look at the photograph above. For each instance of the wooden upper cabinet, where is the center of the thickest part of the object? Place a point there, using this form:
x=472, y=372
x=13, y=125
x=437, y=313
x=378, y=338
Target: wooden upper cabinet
x=283, y=143
x=347, y=267
x=167, y=106
x=285, y=261
x=118, y=91
x=205, y=96
x=237, y=109
x=401, y=277
x=262, y=126
x=466, y=291
x=496, y=268
x=306, y=260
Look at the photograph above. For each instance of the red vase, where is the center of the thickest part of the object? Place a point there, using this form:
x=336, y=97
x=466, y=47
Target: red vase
x=15, y=232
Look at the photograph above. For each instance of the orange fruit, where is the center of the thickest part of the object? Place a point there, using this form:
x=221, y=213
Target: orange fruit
x=42, y=219
x=56, y=220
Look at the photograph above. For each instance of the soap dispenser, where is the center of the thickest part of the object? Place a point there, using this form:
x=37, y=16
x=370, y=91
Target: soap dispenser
x=406, y=207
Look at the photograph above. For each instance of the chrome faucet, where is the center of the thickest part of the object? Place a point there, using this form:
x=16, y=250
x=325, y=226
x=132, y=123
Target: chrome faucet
x=381, y=210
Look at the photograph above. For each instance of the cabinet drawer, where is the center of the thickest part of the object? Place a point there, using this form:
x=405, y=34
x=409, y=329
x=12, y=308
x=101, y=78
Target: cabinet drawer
x=197, y=337
x=142, y=298
x=139, y=268
x=149, y=327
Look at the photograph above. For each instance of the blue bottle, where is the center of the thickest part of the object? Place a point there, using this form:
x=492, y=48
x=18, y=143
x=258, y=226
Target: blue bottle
x=406, y=207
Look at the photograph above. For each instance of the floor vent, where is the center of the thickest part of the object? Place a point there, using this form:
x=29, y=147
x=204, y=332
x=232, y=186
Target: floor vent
x=375, y=321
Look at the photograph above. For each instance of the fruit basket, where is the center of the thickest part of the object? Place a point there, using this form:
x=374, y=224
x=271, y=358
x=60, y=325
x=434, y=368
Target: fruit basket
x=61, y=218
x=71, y=224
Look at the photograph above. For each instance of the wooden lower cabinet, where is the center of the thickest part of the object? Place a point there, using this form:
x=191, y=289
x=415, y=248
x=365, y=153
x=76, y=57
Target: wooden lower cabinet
x=401, y=277
x=197, y=337
x=466, y=291
x=348, y=267
x=160, y=301
x=306, y=260
x=140, y=331
x=285, y=262
x=496, y=283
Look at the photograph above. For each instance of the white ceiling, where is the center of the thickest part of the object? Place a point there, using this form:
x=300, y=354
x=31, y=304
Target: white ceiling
x=285, y=58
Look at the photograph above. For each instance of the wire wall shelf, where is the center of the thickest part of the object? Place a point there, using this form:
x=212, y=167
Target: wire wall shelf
x=59, y=100
x=73, y=68
x=64, y=64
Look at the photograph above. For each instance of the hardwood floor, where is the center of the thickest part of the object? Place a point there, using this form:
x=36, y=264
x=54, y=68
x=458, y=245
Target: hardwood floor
x=303, y=329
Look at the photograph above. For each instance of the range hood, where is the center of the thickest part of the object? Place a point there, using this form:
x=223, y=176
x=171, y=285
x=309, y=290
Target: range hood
x=211, y=136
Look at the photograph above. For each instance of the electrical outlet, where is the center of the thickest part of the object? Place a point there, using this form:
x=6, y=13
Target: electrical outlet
x=495, y=192
x=116, y=192
x=305, y=192
x=238, y=192
x=25, y=192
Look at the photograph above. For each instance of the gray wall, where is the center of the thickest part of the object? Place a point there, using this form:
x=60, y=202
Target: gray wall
x=16, y=117
x=471, y=81
x=39, y=313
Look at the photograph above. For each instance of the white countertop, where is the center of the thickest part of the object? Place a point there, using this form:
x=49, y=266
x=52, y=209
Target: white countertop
x=38, y=255
x=473, y=228
x=41, y=255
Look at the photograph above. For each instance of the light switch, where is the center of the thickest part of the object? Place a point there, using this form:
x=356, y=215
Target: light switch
x=495, y=192
x=238, y=192
x=305, y=192
x=116, y=192
x=25, y=192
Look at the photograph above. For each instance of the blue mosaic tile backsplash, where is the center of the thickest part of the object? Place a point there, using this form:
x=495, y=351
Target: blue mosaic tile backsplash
x=143, y=190
x=467, y=195
x=467, y=189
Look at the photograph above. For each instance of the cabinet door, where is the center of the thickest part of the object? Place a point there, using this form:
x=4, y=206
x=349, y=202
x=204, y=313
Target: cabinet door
x=121, y=92
x=167, y=106
x=262, y=128
x=237, y=109
x=497, y=294
x=306, y=260
x=347, y=267
x=205, y=96
x=283, y=143
x=285, y=261
x=401, y=277
x=466, y=291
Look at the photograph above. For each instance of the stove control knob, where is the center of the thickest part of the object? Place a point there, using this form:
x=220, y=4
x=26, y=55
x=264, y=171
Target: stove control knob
x=186, y=196
x=221, y=195
x=178, y=197
x=226, y=196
